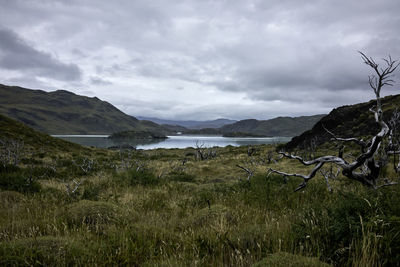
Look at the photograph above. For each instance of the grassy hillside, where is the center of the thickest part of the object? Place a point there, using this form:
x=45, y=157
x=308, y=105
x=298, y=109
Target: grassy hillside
x=14, y=130
x=63, y=112
x=166, y=207
x=280, y=126
x=346, y=121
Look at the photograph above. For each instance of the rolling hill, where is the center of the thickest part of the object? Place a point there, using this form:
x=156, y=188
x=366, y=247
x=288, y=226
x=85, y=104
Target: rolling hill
x=63, y=112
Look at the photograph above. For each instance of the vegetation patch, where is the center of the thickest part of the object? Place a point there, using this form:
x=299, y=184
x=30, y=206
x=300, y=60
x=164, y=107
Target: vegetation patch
x=10, y=197
x=283, y=259
x=135, y=177
x=17, y=179
x=92, y=213
x=44, y=251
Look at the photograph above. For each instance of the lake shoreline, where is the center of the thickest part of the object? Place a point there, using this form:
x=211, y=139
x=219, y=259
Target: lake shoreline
x=173, y=141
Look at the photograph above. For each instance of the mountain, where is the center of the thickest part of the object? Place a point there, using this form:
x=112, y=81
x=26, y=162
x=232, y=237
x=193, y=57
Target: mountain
x=346, y=121
x=63, y=112
x=191, y=124
x=280, y=126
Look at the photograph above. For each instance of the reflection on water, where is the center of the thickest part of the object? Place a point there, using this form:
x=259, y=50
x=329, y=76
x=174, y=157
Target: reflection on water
x=181, y=141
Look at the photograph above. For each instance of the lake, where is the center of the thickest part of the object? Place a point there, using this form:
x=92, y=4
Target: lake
x=180, y=141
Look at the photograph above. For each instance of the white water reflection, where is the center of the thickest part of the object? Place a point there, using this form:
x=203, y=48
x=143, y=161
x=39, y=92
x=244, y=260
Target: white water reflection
x=180, y=141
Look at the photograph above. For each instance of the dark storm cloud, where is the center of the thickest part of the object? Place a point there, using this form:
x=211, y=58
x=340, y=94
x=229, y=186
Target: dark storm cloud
x=238, y=59
x=16, y=54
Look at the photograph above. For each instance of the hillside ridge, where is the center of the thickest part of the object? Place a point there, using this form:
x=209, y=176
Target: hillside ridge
x=346, y=121
x=64, y=112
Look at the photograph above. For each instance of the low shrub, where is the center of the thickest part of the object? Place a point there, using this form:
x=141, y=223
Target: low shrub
x=92, y=213
x=10, y=197
x=141, y=177
x=181, y=177
x=17, y=179
x=44, y=251
x=91, y=192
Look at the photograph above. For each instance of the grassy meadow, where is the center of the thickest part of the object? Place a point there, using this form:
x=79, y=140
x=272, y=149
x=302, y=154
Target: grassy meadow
x=165, y=207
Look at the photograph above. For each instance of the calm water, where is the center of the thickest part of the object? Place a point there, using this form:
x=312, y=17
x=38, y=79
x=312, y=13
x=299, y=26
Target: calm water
x=181, y=141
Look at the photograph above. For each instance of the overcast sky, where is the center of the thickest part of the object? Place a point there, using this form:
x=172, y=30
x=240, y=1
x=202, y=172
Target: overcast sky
x=200, y=59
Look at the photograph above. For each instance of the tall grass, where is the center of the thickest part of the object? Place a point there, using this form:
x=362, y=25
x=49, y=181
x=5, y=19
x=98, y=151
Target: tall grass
x=201, y=213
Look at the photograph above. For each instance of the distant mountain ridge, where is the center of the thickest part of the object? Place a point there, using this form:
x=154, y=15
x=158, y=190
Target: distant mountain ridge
x=191, y=124
x=63, y=112
x=280, y=126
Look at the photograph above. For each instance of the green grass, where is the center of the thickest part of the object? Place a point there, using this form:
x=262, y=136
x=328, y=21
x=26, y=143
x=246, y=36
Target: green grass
x=201, y=213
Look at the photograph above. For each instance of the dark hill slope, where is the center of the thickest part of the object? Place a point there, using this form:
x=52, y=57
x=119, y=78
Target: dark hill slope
x=14, y=130
x=280, y=126
x=63, y=112
x=346, y=121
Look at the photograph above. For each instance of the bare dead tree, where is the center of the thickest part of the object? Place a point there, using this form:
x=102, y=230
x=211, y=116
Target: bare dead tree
x=250, y=151
x=86, y=164
x=326, y=175
x=10, y=151
x=203, y=152
x=72, y=189
x=366, y=168
x=268, y=158
x=249, y=172
x=309, y=148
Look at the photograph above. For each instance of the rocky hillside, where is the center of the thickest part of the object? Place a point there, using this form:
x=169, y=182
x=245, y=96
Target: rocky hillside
x=346, y=121
x=63, y=112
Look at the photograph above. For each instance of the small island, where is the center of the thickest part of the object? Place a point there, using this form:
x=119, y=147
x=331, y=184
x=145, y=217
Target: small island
x=137, y=135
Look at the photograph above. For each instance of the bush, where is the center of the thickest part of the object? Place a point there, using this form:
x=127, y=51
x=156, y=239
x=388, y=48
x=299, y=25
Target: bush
x=92, y=213
x=207, y=216
x=91, y=192
x=17, y=179
x=44, y=251
x=144, y=177
x=261, y=190
x=345, y=216
x=10, y=197
x=181, y=177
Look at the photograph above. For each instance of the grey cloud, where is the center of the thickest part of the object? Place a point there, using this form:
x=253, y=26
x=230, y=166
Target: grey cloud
x=291, y=52
x=99, y=81
x=78, y=53
x=16, y=54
